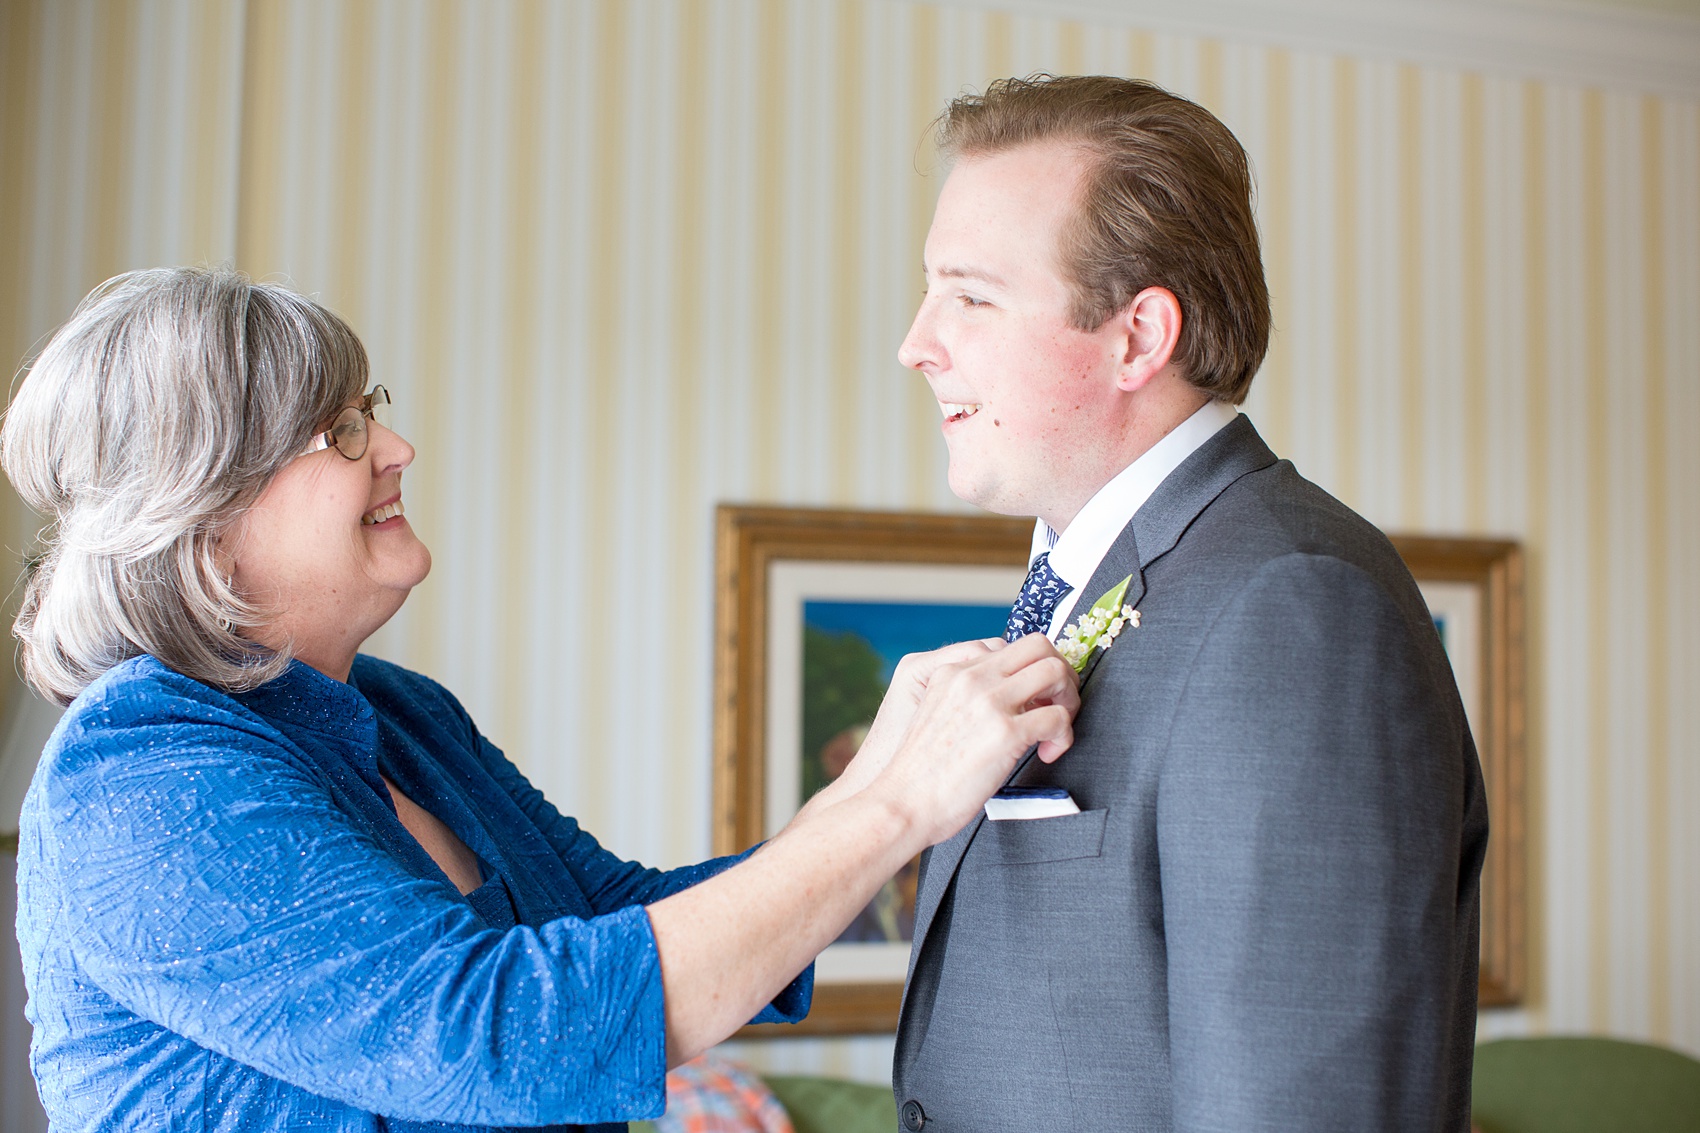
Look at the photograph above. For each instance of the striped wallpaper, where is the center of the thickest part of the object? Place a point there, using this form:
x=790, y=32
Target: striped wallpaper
x=620, y=260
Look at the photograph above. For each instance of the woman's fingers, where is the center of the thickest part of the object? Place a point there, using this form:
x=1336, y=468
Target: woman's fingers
x=920, y=667
x=1049, y=680
x=979, y=713
x=909, y=682
x=1029, y=670
x=1053, y=745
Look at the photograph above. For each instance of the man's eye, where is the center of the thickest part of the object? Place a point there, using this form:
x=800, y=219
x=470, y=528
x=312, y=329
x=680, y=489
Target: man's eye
x=971, y=301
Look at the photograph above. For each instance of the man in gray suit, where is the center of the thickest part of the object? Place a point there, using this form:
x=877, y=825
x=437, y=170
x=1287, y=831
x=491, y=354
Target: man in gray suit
x=1264, y=915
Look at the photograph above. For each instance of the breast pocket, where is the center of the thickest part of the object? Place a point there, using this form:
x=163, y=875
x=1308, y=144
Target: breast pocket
x=1026, y=841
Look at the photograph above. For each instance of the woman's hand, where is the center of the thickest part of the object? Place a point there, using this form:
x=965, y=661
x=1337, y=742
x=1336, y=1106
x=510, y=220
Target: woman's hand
x=902, y=697
x=978, y=714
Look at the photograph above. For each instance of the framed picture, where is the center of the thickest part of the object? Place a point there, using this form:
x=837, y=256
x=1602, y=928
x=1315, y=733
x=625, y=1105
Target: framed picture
x=812, y=610
x=814, y=607
x=1474, y=590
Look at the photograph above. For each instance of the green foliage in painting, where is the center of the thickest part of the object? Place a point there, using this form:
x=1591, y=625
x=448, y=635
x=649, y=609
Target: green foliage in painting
x=841, y=689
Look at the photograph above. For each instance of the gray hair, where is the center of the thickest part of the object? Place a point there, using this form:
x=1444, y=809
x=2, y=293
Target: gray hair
x=153, y=418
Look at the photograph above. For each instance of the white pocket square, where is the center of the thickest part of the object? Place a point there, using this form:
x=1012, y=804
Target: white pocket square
x=1030, y=802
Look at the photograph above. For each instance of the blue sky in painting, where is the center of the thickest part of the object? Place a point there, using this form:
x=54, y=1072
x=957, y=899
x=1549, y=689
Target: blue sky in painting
x=896, y=628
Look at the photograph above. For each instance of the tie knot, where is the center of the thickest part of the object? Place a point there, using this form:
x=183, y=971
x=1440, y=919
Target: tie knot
x=1038, y=599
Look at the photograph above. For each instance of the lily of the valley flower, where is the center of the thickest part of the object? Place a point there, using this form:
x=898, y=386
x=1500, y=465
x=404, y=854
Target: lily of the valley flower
x=1098, y=627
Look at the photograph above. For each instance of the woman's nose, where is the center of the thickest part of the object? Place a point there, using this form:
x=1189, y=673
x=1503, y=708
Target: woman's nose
x=388, y=448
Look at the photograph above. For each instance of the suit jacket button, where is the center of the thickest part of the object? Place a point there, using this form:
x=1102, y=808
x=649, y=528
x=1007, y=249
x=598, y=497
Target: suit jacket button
x=913, y=1116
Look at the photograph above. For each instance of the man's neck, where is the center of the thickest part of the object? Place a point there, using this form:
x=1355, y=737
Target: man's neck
x=1156, y=416
x=1091, y=530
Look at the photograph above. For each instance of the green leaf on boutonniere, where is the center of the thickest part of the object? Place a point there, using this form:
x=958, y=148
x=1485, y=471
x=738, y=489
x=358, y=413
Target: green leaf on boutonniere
x=1098, y=627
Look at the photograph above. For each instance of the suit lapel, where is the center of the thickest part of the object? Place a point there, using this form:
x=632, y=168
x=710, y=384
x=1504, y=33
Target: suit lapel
x=1233, y=452
x=1120, y=561
x=942, y=861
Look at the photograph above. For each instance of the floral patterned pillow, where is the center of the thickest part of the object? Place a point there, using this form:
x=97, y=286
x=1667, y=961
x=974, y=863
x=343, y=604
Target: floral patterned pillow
x=712, y=1094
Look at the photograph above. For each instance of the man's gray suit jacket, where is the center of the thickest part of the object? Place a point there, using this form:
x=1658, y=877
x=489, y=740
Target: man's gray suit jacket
x=1265, y=915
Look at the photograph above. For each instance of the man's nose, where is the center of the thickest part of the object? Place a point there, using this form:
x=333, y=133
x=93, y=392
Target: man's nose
x=919, y=345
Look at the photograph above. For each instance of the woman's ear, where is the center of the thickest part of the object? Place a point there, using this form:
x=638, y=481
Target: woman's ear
x=1152, y=328
x=223, y=546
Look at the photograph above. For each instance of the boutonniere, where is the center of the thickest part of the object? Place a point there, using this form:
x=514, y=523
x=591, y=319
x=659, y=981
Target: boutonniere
x=1098, y=627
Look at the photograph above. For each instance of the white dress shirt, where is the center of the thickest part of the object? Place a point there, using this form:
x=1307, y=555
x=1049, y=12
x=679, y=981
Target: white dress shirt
x=1076, y=553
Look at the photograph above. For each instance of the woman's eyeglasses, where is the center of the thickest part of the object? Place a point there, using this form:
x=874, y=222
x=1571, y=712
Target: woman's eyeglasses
x=349, y=433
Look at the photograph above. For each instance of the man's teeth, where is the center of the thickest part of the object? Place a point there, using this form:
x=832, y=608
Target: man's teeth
x=379, y=514
x=953, y=409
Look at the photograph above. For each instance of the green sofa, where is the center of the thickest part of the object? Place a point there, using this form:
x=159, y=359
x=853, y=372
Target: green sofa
x=1545, y=1085
x=1584, y=1085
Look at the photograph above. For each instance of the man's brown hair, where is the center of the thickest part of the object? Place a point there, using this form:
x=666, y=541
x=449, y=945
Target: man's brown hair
x=1167, y=203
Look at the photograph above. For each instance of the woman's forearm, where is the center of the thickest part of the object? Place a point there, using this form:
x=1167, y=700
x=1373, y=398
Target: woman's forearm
x=731, y=944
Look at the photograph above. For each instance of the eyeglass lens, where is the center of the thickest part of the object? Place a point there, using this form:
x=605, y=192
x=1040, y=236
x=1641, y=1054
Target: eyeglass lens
x=349, y=434
x=380, y=408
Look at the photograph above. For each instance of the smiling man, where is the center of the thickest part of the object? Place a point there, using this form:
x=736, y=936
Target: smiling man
x=1264, y=915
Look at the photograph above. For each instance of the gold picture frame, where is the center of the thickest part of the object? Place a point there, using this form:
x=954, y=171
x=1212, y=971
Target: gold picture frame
x=760, y=551
x=1490, y=664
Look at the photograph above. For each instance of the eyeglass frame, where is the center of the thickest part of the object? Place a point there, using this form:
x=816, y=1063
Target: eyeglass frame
x=367, y=407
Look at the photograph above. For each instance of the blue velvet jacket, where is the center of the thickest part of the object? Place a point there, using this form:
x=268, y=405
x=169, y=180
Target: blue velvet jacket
x=225, y=927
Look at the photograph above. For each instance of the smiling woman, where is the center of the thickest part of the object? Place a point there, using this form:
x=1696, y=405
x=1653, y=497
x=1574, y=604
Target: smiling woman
x=266, y=882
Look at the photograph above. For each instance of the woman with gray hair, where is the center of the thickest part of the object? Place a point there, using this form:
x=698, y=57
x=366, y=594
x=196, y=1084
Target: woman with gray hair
x=267, y=882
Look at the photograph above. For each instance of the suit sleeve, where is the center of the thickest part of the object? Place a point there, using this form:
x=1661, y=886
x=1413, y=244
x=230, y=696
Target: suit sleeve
x=1309, y=831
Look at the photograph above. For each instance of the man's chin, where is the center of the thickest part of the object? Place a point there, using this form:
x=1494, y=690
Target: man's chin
x=987, y=495
x=964, y=486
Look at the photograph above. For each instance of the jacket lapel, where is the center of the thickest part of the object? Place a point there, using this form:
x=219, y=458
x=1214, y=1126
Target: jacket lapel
x=1235, y=451
x=1120, y=561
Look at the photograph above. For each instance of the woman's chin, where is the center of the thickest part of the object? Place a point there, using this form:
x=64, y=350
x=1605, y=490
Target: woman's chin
x=424, y=565
x=408, y=566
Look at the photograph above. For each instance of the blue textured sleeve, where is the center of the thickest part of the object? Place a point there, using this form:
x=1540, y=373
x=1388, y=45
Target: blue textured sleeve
x=214, y=888
x=613, y=883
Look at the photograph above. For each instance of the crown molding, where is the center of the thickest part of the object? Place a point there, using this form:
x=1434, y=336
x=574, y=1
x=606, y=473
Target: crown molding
x=1541, y=39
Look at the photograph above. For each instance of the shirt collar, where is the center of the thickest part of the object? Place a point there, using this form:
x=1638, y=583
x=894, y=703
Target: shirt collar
x=1077, y=551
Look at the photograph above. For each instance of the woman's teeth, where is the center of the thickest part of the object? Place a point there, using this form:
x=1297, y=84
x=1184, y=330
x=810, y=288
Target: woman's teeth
x=956, y=411
x=379, y=514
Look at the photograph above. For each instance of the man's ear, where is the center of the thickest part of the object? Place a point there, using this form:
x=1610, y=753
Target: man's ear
x=1152, y=328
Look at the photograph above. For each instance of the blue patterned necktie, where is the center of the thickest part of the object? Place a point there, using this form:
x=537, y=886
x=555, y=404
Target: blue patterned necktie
x=1037, y=601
